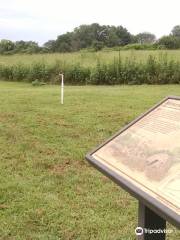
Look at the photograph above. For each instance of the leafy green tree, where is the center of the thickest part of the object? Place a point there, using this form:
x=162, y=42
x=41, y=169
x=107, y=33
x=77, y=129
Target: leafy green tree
x=176, y=31
x=85, y=35
x=50, y=45
x=97, y=45
x=112, y=39
x=169, y=42
x=27, y=47
x=6, y=46
x=64, y=43
x=93, y=35
x=20, y=45
x=123, y=35
x=145, y=38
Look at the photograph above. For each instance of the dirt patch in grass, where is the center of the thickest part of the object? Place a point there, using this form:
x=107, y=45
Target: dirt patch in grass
x=3, y=206
x=61, y=168
x=67, y=165
x=6, y=116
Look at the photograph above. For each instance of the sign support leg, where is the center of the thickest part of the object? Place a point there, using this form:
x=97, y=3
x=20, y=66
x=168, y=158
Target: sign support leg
x=149, y=220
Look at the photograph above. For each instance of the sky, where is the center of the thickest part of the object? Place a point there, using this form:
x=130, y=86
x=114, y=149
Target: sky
x=41, y=20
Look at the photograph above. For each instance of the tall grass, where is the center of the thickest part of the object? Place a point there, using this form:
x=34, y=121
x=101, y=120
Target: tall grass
x=87, y=58
x=120, y=70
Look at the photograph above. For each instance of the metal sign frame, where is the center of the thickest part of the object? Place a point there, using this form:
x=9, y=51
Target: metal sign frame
x=156, y=206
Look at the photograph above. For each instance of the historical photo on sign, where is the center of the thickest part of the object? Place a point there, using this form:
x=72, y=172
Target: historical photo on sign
x=148, y=153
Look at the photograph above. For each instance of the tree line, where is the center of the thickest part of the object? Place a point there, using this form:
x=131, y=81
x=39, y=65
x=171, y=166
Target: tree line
x=95, y=37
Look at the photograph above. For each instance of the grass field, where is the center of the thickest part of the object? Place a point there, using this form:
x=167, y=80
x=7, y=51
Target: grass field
x=48, y=191
x=86, y=58
x=95, y=68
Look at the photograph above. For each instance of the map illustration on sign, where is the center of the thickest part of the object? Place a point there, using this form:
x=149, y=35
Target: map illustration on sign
x=147, y=153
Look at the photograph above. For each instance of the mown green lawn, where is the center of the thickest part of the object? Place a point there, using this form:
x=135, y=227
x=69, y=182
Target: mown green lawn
x=47, y=189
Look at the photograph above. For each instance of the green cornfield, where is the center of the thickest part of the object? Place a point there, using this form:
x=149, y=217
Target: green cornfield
x=105, y=67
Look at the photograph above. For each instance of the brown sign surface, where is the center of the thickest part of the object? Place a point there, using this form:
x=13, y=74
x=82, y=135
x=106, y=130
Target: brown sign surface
x=147, y=154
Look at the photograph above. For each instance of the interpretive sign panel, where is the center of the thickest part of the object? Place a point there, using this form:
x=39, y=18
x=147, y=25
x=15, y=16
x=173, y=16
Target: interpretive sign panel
x=145, y=158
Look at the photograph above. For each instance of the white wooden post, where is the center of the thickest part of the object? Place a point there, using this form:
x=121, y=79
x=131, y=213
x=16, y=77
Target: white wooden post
x=62, y=87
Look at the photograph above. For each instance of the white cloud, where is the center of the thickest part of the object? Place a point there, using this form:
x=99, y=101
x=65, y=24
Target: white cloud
x=42, y=20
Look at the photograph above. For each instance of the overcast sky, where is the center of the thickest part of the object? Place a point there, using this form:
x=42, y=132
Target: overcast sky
x=41, y=20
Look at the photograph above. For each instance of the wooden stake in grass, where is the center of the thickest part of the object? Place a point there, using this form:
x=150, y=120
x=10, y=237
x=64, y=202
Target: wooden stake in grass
x=62, y=87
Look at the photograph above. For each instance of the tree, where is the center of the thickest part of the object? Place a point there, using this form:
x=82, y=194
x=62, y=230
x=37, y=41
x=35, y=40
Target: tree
x=176, y=31
x=20, y=45
x=27, y=46
x=50, y=45
x=145, y=38
x=169, y=42
x=85, y=35
x=116, y=36
x=112, y=37
x=123, y=35
x=6, y=46
x=63, y=43
x=97, y=45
